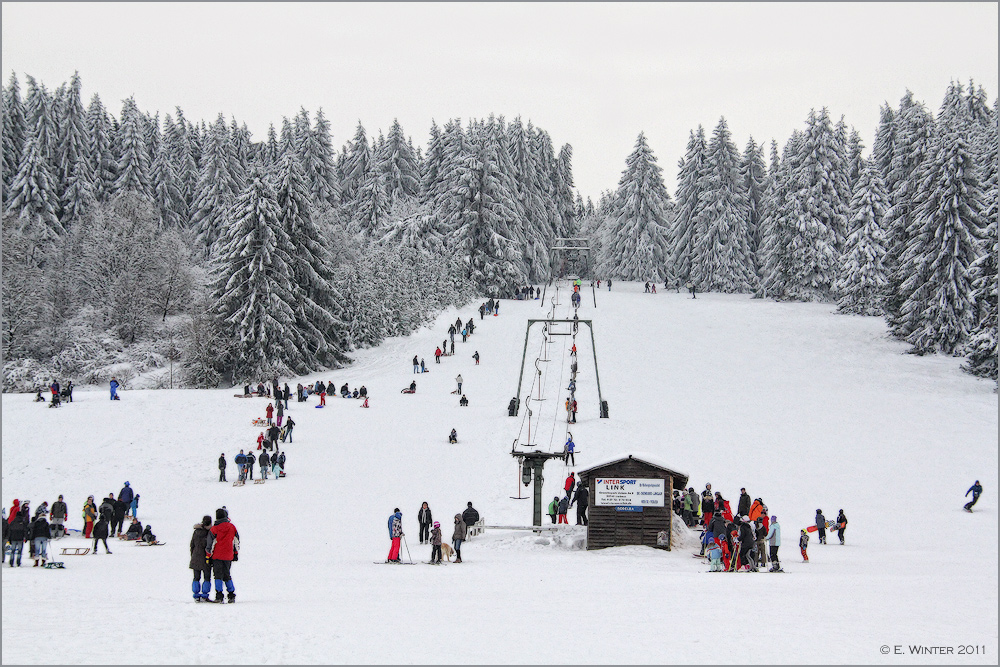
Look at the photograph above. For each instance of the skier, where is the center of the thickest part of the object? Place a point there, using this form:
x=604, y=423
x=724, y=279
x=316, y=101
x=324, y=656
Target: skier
x=101, y=534
x=470, y=516
x=563, y=509
x=222, y=467
x=89, y=516
x=748, y=538
x=459, y=381
x=707, y=505
x=760, y=547
x=465, y=335
x=804, y=544
x=58, y=516
x=821, y=526
x=647, y=287
x=976, y=489
x=554, y=508
x=114, y=389
x=425, y=520
x=715, y=556
x=269, y=412
x=476, y=357
x=841, y=525
x=464, y=402
x=436, y=542
x=458, y=536
x=582, y=501
x=572, y=409
x=609, y=284
x=653, y=285
x=322, y=392
x=569, y=484
x=223, y=548
x=570, y=449
x=496, y=308
x=395, y=534
x=281, y=465
x=437, y=355
x=744, y=505
x=200, y=564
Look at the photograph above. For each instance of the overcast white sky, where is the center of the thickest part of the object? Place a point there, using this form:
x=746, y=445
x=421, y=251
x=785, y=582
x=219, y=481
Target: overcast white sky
x=593, y=75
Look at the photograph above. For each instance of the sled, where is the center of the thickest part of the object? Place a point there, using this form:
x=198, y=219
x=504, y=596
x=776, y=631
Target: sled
x=149, y=544
x=238, y=483
x=245, y=395
x=57, y=565
x=259, y=423
x=408, y=391
x=455, y=392
x=259, y=481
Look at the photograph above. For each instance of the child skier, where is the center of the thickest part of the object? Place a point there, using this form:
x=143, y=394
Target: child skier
x=804, y=544
x=715, y=555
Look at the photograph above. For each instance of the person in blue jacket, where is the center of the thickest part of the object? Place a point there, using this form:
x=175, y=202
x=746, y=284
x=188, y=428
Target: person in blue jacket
x=975, y=490
x=570, y=449
x=395, y=534
x=126, y=494
x=774, y=541
x=114, y=389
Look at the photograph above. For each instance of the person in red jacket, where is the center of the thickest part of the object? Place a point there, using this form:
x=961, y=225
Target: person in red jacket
x=570, y=484
x=269, y=410
x=437, y=355
x=223, y=548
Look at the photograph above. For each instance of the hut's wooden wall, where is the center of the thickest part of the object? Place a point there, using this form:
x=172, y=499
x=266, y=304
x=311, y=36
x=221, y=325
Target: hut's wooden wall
x=610, y=528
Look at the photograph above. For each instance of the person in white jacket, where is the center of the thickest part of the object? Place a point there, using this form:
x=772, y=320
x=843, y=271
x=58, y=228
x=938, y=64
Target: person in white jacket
x=774, y=541
x=459, y=381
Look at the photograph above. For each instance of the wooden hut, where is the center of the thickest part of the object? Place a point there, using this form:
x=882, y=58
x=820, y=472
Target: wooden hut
x=630, y=503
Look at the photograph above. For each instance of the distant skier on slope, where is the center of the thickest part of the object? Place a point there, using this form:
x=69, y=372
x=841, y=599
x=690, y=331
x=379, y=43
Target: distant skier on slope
x=975, y=490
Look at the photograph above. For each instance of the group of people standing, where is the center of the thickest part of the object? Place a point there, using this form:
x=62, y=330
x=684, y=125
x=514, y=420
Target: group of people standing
x=430, y=532
x=269, y=464
x=575, y=493
x=214, y=548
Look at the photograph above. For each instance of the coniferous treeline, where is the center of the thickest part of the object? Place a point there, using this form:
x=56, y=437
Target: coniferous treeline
x=909, y=233
x=253, y=257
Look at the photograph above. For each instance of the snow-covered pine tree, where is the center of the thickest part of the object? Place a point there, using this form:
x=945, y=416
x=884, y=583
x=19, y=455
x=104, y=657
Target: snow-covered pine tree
x=358, y=162
x=940, y=311
x=370, y=204
x=562, y=181
x=782, y=218
x=133, y=165
x=484, y=219
x=78, y=197
x=319, y=331
x=216, y=188
x=683, y=233
x=634, y=246
x=33, y=196
x=15, y=129
x=753, y=171
x=855, y=159
x=319, y=165
x=104, y=167
x=399, y=168
x=724, y=262
x=982, y=347
x=167, y=194
x=180, y=142
x=885, y=144
x=863, y=276
x=73, y=151
x=430, y=185
x=252, y=276
x=529, y=194
x=40, y=115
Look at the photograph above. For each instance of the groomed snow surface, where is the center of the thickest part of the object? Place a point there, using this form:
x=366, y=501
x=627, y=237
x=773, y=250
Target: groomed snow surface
x=805, y=408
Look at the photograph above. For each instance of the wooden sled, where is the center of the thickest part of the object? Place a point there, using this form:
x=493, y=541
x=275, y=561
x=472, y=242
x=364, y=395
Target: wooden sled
x=238, y=483
x=75, y=551
x=259, y=481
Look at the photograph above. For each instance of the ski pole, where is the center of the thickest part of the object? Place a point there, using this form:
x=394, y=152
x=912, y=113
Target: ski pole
x=407, y=549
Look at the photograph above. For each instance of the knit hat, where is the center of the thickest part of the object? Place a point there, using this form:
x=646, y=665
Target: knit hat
x=437, y=524
x=206, y=520
x=221, y=514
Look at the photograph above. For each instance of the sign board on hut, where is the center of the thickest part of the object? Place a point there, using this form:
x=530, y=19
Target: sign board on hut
x=629, y=503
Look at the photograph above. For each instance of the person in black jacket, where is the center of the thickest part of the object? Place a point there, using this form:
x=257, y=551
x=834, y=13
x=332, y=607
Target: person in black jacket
x=265, y=464
x=222, y=467
x=470, y=516
x=58, y=515
x=273, y=433
x=718, y=526
x=202, y=566
x=744, y=506
x=101, y=533
x=147, y=535
x=40, y=538
x=821, y=526
x=425, y=520
x=582, y=500
x=748, y=539
x=251, y=459
x=134, y=531
x=286, y=392
x=287, y=434
x=17, y=533
x=841, y=525
x=707, y=506
x=119, y=521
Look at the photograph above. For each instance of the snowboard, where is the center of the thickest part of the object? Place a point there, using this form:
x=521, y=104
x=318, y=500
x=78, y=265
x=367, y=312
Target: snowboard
x=813, y=529
x=385, y=562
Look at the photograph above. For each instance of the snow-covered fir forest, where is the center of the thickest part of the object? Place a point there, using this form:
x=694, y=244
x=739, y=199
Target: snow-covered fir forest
x=138, y=243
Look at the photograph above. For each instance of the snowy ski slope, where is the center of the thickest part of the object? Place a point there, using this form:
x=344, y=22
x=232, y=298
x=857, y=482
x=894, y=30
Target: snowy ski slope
x=803, y=407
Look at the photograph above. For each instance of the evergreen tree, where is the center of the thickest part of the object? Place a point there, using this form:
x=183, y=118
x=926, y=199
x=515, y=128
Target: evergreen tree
x=319, y=331
x=15, y=129
x=167, y=193
x=940, y=311
x=78, y=197
x=433, y=162
x=216, y=188
x=358, y=162
x=319, y=163
x=982, y=348
x=33, y=193
x=74, y=150
x=724, y=262
x=855, y=161
x=104, y=167
x=753, y=171
x=635, y=243
x=885, y=144
x=133, y=166
x=371, y=205
x=251, y=288
x=399, y=169
x=862, y=281
x=683, y=236
x=180, y=140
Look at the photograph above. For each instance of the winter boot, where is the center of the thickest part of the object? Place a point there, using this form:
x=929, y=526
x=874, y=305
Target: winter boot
x=231, y=598
x=218, y=597
x=458, y=560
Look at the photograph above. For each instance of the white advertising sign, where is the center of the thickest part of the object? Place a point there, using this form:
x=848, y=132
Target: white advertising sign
x=628, y=492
